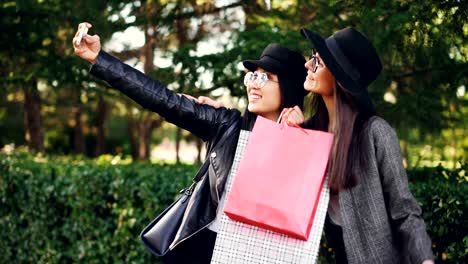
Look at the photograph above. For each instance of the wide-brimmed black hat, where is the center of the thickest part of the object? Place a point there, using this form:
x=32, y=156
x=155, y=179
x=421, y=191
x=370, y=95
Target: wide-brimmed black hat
x=351, y=59
x=279, y=60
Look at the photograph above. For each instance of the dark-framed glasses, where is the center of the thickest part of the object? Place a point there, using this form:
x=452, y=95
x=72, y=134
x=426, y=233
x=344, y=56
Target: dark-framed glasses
x=258, y=79
x=315, y=62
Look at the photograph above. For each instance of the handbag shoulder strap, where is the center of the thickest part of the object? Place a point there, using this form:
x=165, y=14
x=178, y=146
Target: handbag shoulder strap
x=201, y=172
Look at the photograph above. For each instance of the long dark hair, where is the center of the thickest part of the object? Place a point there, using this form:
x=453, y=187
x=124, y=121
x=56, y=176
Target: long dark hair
x=292, y=93
x=349, y=149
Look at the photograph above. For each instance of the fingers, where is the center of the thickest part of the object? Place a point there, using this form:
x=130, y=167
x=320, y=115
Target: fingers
x=281, y=116
x=91, y=39
x=74, y=42
x=88, y=25
x=77, y=44
x=208, y=101
x=203, y=100
x=294, y=116
x=81, y=32
x=286, y=113
x=190, y=97
x=80, y=26
x=86, y=39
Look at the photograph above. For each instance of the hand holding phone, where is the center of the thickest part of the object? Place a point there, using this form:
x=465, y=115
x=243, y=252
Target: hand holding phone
x=88, y=49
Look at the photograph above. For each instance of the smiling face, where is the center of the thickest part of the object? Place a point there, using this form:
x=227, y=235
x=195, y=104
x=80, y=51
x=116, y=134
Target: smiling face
x=264, y=100
x=319, y=79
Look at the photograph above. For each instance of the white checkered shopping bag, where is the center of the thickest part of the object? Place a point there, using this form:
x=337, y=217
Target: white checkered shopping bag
x=237, y=242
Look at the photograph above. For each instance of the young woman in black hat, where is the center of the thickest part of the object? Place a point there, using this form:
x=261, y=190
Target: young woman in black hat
x=273, y=82
x=372, y=216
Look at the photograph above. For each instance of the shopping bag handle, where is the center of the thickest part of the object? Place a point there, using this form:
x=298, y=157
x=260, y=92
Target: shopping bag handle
x=282, y=121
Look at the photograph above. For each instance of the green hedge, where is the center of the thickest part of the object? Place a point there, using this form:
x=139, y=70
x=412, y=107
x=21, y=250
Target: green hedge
x=58, y=212
x=442, y=195
x=65, y=210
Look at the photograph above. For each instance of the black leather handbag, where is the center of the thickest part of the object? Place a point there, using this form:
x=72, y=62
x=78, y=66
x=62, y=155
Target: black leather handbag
x=159, y=235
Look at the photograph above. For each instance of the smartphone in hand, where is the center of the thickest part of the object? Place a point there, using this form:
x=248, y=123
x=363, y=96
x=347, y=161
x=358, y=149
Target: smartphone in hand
x=83, y=32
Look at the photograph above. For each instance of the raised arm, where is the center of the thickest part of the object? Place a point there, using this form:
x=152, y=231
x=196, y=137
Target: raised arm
x=202, y=120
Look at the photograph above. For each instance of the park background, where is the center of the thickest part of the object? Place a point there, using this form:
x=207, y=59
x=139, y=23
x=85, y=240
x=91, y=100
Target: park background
x=83, y=168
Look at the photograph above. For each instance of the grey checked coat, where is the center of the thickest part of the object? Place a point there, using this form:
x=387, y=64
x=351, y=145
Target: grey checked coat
x=381, y=219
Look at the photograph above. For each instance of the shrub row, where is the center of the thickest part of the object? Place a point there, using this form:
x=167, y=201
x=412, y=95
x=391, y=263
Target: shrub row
x=62, y=211
x=86, y=213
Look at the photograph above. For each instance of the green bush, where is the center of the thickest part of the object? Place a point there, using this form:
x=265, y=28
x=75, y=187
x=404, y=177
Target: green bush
x=442, y=196
x=58, y=212
x=67, y=210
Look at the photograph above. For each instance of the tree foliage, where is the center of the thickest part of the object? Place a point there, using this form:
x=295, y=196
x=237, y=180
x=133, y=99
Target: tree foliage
x=422, y=44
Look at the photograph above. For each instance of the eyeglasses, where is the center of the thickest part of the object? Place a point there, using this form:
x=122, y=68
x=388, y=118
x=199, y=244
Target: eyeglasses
x=257, y=79
x=315, y=62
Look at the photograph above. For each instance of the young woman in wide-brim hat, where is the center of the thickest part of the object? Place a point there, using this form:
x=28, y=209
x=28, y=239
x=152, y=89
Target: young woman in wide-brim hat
x=372, y=216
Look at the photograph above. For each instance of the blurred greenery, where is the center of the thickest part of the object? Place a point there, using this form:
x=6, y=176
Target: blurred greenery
x=65, y=209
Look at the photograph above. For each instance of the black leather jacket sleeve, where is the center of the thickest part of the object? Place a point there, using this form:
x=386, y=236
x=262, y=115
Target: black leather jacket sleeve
x=202, y=120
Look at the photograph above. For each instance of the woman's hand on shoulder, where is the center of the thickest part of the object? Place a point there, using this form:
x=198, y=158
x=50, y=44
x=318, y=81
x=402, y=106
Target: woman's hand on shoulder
x=86, y=46
x=293, y=116
x=204, y=100
x=209, y=101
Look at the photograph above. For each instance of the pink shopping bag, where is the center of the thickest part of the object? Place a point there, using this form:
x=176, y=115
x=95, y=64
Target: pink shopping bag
x=280, y=177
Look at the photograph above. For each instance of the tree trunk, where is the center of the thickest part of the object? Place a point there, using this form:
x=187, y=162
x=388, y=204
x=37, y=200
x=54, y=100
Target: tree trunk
x=147, y=54
x=132, y=131
x=147, y=125
x=199, y=143
x=77, y=129
x=77, y=110
x=101, y=133
x=33, y=121
x=144, y=139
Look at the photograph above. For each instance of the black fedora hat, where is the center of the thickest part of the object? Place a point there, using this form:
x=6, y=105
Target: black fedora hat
x=352, y=60
x=279, y=60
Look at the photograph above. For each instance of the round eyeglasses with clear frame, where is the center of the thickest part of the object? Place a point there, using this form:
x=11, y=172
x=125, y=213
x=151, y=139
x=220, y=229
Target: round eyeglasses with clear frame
x=258, y=79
